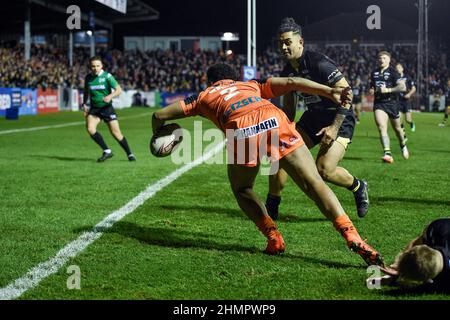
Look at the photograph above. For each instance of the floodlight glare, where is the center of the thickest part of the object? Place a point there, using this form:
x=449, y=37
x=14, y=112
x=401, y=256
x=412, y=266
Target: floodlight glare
x=229, y=36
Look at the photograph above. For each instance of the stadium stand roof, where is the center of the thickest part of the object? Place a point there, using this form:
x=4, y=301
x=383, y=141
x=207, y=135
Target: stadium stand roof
x=49, y=15
x=342, y=27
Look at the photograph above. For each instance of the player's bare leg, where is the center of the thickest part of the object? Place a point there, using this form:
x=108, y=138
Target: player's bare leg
x=409, y=120
x=396, y=125
x=92, y=123
x=381, y=120
x=278, y=181
x=114, y=128
x=327, y=165
x=357, y=110
x=327, y=161
x=242, y=180
x=91, y=127
x=444, y=121
x=300, y=166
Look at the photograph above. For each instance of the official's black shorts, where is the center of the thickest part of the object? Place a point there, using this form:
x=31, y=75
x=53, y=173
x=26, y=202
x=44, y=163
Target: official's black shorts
x=357, y=99
x=312, y=121
x=107, y=114
x=390, y=107
x=405, y=106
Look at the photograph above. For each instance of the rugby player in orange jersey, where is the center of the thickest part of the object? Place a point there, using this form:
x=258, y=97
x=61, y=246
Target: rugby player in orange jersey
x=242, y=108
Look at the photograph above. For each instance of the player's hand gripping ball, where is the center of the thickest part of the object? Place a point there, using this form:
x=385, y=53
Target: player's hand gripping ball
x=166, y=140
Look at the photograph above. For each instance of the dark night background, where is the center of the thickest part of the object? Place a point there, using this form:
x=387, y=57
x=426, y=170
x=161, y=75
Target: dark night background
x=399, y=19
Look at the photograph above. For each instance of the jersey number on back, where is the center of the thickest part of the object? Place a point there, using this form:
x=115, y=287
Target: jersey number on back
x=229, y=92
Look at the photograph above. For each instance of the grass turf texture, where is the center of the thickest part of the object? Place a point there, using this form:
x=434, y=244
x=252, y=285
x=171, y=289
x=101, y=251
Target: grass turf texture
x=191, y=241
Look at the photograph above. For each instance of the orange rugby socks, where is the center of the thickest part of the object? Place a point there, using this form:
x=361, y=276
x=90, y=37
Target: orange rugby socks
x=345, y=226
x=267, y=226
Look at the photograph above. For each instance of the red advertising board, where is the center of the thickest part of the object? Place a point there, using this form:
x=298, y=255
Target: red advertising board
x=47, y=101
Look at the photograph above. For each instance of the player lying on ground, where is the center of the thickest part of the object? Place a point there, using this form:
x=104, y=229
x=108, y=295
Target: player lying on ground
x=425, y=261
x=242, y=108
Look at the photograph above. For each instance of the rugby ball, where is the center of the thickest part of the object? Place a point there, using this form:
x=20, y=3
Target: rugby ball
x=166, y=139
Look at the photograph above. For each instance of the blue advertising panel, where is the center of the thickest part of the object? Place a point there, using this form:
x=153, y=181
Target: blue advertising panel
x=29, y=102
x=5, y=100
x=25, y=100
x=16, y=97
x=248, y=73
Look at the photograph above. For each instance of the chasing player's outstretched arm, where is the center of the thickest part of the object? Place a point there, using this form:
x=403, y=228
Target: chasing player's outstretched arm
x=343, y=109
x=171, y=112
x=281, y=86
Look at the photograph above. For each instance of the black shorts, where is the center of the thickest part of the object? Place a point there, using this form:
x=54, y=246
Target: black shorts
x=390, y=107
x=357, y=99
x=405, y=106
x=313, y=120
x=107, y=114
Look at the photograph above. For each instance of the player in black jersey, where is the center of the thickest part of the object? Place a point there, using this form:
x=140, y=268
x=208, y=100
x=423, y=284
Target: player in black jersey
x=358, y=92
x=325, y=122
x=404, y=98
x=385, y=83
x=426, y=259
x=447, y=105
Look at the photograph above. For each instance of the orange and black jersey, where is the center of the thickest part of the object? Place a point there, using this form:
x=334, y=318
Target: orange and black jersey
x=226, y=100
x=437, y=236
x=319, y=68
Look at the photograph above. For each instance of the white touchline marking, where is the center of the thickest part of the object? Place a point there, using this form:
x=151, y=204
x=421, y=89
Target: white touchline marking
x=69, y=124
x=35, y=275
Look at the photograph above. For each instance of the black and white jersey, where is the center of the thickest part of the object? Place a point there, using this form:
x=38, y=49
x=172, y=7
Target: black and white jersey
x=357, y=92
x=389, y=79
x=437, y=236
x=409, y=84
x=319, y=68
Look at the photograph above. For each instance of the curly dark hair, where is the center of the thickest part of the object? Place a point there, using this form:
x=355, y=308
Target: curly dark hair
x=289, y=24
x=221, y=71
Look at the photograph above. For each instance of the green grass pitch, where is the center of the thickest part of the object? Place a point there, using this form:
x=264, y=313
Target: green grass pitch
x=191, y=241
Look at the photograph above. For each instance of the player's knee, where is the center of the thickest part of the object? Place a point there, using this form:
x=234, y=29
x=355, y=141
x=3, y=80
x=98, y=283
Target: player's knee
x=326, y=172
x=242, y=192
x=382, y=129
x=91, y=130
x=118, y=136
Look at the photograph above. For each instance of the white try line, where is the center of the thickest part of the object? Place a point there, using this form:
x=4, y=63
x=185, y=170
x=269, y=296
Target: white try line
x=35, y=275
x=69, y=124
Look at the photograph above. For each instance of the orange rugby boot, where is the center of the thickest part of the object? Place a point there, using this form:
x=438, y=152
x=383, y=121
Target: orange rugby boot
x=275, y=243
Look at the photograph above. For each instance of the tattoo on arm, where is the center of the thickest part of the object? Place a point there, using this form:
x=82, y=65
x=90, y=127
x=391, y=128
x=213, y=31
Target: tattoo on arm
x=338, y=120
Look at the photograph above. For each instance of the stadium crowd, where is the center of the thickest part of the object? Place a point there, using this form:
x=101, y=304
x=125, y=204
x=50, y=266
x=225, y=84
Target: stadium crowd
x=172, y=71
